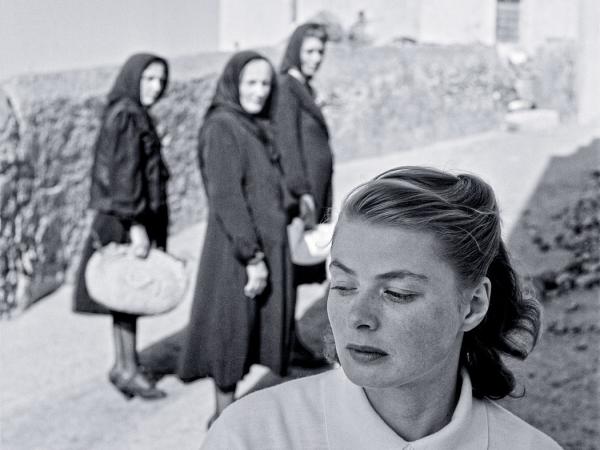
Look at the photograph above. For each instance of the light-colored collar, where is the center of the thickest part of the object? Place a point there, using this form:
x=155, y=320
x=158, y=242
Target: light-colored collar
x=297, y=75
x=352, y=423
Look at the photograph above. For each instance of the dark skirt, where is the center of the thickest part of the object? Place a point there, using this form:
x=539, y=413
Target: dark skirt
x=228, y=332
x=107, y=228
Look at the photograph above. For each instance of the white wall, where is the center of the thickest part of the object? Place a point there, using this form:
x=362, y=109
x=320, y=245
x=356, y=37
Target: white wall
x=386, y=19
x=437, y=21
x=458, y=22
x=588, y=62
x=253, y=23
x=264, y=22
x=541, y=20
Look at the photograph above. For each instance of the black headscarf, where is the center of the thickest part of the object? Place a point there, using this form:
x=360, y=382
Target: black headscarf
x=227, y=95
x=127, y=84
x=291, y=57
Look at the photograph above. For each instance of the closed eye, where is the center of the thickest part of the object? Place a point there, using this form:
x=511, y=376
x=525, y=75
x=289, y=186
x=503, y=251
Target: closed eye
x=398, y=297
x=342, y=289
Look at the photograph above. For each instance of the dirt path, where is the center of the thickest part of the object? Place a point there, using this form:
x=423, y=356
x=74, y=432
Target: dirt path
x=53, y=363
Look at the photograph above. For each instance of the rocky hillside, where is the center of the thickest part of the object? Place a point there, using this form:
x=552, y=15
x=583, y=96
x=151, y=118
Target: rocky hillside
x=376, y=100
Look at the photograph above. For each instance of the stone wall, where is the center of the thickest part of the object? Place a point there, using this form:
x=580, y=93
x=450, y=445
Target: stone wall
x=10, y=202
x=46, y=156
x=393, y=98
x=376, y=100
x=553, y=68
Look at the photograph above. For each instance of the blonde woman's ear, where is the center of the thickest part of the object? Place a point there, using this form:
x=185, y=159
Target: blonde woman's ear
x=477, y=306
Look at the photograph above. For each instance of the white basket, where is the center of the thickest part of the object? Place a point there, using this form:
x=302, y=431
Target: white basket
x=309, y=247
x=125, y=283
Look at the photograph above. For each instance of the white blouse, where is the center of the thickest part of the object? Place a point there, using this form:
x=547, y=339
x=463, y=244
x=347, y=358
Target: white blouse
x=328, y=411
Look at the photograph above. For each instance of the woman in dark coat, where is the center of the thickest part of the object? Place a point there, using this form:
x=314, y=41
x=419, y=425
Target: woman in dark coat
x=302, y=135
x=129, y=196
x=303, y=140
x=243, y=310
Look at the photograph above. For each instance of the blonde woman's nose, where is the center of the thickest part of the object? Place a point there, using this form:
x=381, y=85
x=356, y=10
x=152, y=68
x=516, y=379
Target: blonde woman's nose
x=364, y=312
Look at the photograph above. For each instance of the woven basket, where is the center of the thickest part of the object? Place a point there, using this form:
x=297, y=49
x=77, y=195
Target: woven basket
x=125, y=283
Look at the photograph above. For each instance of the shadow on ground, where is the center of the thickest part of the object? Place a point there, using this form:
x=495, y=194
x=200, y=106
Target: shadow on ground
x=161, y=357
x=561, y=376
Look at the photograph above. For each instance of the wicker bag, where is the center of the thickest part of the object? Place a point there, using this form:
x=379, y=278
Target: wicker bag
x=125, y=283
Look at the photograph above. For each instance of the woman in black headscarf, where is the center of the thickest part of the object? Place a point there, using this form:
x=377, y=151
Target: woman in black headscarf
x=129, y=196
x=243, y=310
x=302, y=135
x=303, y=140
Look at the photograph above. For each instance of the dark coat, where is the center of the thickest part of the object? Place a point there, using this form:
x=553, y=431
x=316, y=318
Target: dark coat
x=129, y=177
x=303, y=141
x=227, y=331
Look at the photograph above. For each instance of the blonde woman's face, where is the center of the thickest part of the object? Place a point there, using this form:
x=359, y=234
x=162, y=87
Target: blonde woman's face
x=255, y=86
x=394, y=306
x=152, y=83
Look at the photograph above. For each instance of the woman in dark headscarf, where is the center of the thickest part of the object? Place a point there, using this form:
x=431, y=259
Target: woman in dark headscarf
x=302, y=135
x=243, y=310
x=129, y=195
x=303, y=140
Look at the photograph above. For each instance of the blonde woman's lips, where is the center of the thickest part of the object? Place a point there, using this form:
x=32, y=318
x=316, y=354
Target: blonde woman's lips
x=365, y=354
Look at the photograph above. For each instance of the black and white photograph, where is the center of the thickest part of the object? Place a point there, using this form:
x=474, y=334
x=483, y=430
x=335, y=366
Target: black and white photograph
x=299, y=224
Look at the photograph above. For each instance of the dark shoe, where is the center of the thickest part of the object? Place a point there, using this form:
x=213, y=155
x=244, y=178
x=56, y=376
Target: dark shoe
x=117, y=380
x=135, y=386
x=150, y=375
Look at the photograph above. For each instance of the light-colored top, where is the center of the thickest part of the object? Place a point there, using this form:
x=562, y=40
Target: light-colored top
x=328, y=411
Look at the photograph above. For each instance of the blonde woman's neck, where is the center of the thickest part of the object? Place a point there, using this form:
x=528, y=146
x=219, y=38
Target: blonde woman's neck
x=414, y=412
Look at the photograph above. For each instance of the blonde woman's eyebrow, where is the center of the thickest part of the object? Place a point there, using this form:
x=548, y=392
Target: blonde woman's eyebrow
x=394, y=274
x=342, y=267
x=391, y=275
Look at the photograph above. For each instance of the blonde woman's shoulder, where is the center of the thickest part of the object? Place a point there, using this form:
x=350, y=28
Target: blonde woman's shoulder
x=507, y=431
x=287, y=416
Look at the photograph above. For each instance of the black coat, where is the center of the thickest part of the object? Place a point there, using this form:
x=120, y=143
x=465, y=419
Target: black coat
x=129, y=185
x=129, y=177
x=227, y=331
x=303, y=140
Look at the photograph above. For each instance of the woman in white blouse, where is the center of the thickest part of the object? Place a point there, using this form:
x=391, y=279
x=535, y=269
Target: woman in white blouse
x=423, y=303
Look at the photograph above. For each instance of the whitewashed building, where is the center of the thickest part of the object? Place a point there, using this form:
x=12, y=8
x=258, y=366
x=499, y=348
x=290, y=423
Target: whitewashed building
x=527, y=23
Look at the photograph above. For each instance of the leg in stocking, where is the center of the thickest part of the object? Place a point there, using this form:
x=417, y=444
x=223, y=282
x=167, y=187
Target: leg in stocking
x=125, y=375
x=124, y=336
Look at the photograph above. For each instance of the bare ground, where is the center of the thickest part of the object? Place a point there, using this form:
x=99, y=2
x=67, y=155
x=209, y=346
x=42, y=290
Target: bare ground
x=562, y=375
